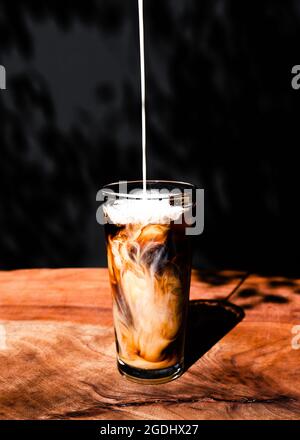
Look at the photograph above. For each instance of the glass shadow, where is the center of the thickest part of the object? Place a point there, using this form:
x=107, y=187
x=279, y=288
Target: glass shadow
x=208, y=322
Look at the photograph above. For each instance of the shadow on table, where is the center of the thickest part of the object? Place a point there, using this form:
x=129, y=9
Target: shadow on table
x=208, y=322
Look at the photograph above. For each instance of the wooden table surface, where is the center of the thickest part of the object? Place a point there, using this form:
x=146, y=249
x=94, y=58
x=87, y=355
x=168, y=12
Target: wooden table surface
x=57, y=353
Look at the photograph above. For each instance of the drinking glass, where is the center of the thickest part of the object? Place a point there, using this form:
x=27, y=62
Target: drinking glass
x=149, y=263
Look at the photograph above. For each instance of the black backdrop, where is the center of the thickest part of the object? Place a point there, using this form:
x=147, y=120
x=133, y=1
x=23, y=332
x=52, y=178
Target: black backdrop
x=221, y=114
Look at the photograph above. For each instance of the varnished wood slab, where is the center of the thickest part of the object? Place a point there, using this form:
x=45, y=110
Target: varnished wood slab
x=57, y=354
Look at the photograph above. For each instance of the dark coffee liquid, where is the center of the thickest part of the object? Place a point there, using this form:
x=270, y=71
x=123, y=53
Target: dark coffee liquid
x=149, y=268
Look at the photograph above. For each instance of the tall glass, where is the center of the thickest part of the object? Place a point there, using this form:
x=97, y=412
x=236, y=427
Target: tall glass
x=149, y=262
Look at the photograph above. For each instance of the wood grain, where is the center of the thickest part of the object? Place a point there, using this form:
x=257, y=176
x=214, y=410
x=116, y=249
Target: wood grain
x=57, y=354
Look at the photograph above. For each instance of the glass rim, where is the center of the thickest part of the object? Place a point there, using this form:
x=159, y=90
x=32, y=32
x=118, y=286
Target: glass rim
x=106, y=190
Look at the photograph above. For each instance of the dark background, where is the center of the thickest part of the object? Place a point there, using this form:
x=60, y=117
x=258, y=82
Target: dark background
x=221, y=114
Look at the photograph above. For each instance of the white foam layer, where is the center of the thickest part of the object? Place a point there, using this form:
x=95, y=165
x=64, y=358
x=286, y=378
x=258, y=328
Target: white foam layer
x=145, y=211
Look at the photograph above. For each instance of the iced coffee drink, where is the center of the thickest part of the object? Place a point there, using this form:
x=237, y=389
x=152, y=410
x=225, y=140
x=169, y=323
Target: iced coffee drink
x=149, y=261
